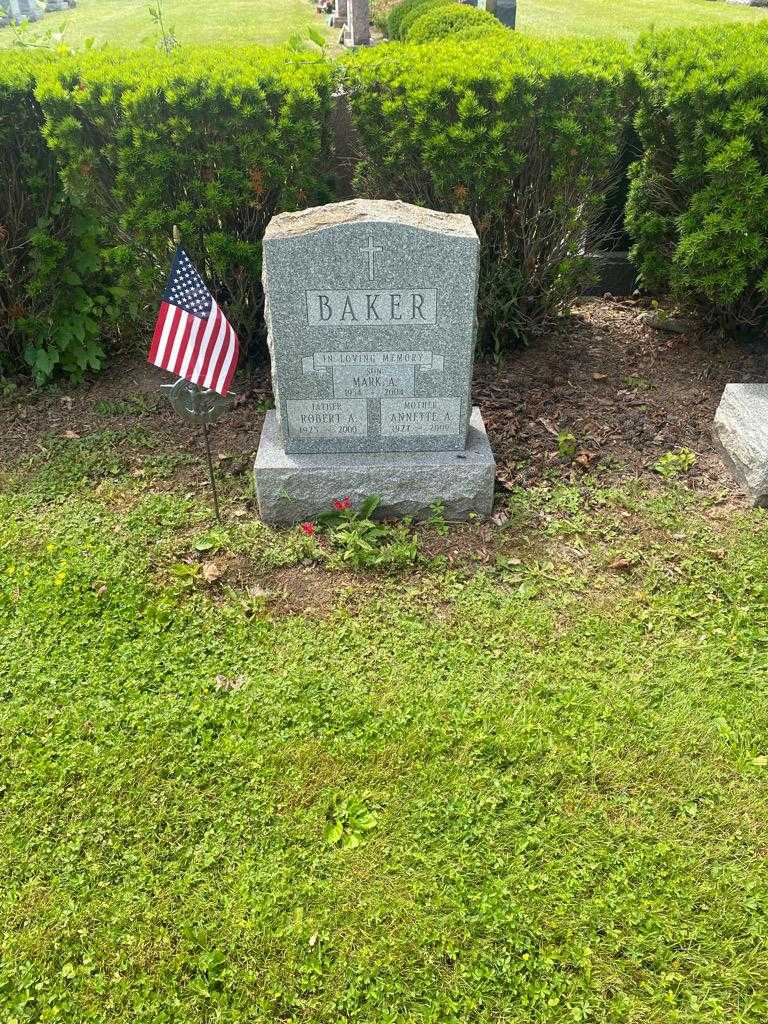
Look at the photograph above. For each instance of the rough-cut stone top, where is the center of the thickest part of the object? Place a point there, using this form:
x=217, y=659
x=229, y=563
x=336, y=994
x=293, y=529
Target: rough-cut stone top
x=360, y=211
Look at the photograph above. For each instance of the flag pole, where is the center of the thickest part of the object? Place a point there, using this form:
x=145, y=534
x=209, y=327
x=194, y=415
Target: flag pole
x=205, y=427
x=211, y=477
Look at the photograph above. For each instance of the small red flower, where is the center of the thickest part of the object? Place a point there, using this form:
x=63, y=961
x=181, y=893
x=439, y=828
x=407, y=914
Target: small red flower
x=345, y=503
x=308, y=528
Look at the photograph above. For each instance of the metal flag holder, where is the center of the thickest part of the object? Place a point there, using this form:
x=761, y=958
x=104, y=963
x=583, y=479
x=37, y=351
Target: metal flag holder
x=202, y=406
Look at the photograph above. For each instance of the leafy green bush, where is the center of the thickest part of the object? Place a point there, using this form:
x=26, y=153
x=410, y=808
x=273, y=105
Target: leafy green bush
x=521, y=134
x=458, y=20
x=698, y=206
x=417, y=12
x=53, y=294
x=380, y=11
x=402, y=16
x=213, y=140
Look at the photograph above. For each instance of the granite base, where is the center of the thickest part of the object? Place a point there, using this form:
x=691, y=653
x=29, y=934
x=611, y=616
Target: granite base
x=740, y=431
x=295, y=488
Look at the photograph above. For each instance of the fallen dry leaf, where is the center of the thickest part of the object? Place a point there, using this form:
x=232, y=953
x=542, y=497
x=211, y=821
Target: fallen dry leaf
x=585, y=458
x=71, y=435
x=548, y=425
x=621, y=564
x=211, y=572
x=226, y=685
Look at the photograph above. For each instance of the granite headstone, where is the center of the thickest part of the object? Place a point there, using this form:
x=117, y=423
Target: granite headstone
x=370, y=308
x=340, y=14
x=358, y=30
x=26, y=10
x=741, y=432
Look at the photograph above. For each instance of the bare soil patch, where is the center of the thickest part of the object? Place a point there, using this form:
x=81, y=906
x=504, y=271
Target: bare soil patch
x=626, y=392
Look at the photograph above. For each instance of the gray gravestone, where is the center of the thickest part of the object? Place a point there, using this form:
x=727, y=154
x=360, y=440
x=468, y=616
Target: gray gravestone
x=741, y=431
x=504, y=10
x=27, y=10
x=340, y=14
x=358, y=31
x=370, y=307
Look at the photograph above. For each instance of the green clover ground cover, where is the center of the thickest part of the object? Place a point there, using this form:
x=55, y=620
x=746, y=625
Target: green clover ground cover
x=530, y=792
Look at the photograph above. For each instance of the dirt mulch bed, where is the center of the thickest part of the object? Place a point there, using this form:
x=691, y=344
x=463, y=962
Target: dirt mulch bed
x=626, y=392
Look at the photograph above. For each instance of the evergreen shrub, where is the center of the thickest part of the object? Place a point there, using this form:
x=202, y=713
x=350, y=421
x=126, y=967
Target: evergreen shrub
x=402, y=17
x=54, y=296
x=457, y=20
x=213, y=140
x=520, y=134
x=698, y=205
x=418, y=12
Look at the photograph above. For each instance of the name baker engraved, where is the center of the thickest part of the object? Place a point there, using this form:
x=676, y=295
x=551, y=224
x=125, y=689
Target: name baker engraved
x=344, y=418
x=372, y=308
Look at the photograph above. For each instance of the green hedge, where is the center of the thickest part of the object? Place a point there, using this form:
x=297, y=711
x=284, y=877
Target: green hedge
x=457, y=20
x=54, y=294
x=420, y=10
x=698, y=206
x=403, y=16
x=520, y=134
x=102, y=153
x=215, y=141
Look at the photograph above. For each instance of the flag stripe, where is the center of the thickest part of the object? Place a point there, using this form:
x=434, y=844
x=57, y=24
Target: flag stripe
x=215, y=368
x=202, y=356
x=186, y=346
x=171, y=315
x=213, y=352
x=222, y=385
x=179, y=337
x=158, y=332
x=191, y=347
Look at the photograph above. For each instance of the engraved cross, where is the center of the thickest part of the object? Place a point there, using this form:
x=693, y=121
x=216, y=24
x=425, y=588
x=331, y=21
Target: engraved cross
x=371, y=250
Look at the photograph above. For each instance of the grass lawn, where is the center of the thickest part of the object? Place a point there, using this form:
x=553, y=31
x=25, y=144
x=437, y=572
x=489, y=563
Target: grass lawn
x=127, y=22
x=526, y=783
x=628, y=18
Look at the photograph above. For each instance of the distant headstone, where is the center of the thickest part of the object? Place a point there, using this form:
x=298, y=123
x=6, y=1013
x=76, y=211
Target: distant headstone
x=358, y=31
x=741, y=431
x=504, y=10
x=340, y=14
x=370, y=308
x=26, y=10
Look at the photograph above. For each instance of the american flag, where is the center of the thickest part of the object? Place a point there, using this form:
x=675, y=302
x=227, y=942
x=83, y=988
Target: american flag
x=193, y=338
